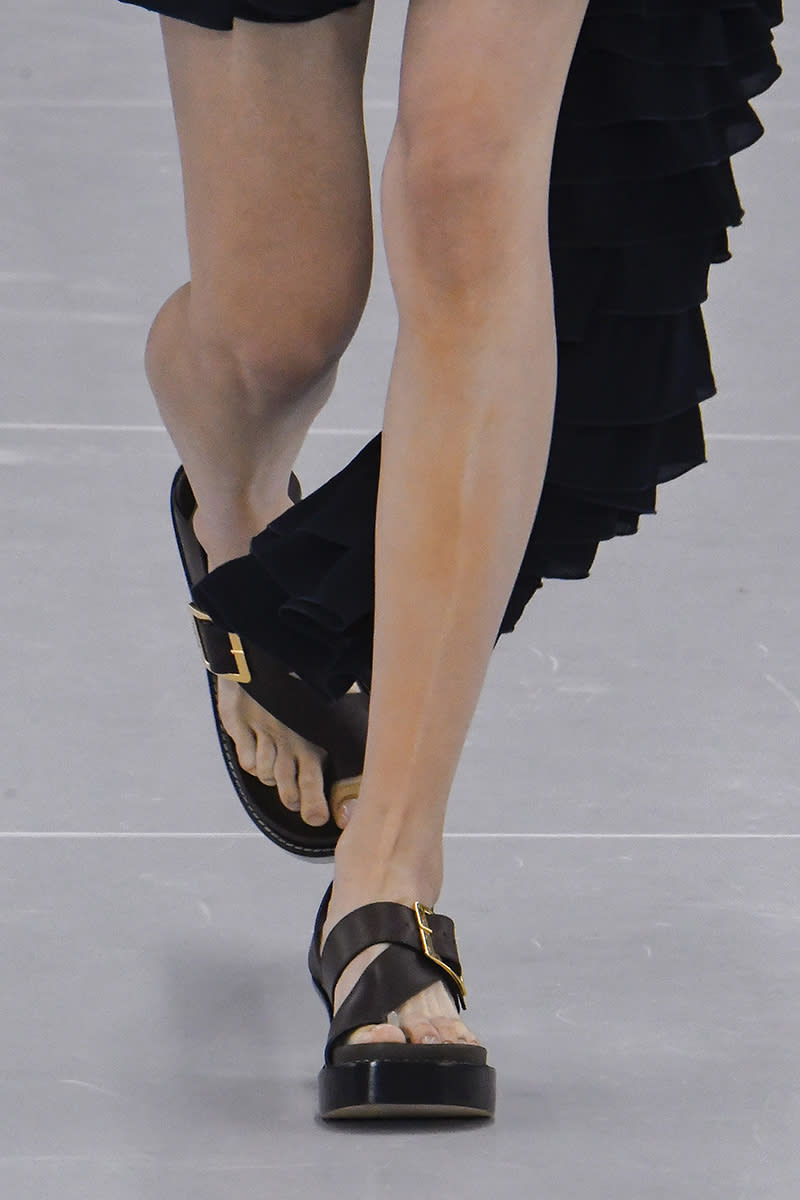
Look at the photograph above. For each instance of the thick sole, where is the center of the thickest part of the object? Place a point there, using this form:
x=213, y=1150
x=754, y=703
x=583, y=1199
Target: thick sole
x=395, y=1089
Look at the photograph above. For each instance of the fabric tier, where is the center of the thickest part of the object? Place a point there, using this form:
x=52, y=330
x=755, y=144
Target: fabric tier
x=642, y=196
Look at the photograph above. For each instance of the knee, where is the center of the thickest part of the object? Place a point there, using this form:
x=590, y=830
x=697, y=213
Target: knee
x=457, y=196
x=276, y=346
x=282, y=341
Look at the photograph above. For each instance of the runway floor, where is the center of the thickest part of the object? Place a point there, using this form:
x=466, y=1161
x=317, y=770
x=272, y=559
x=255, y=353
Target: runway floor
x=624, y=833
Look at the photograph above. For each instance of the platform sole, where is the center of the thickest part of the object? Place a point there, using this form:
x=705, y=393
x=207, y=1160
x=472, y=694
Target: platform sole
x=383, y=1089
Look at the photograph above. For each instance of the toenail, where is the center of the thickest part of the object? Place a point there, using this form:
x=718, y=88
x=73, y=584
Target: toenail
x=429, y=1039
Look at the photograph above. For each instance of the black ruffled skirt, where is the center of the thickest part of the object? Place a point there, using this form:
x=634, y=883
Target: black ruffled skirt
x=641, y=199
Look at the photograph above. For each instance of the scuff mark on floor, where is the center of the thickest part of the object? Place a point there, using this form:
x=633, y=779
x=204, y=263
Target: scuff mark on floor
x=782, y=688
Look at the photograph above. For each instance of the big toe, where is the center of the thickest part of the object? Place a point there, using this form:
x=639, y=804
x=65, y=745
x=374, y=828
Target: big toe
x=376, y=1033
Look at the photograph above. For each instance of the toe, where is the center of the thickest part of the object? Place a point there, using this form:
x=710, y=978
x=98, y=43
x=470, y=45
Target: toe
x=246, y=748
x=313, y=805
x=438, y=1030
x=265, y=759
x=242, y=735
x=431, y=1016
x=422, y=1031
x=285, y=771
x=451, y=1029
x=341, y=815
x=343, y=794
x=376, y=1033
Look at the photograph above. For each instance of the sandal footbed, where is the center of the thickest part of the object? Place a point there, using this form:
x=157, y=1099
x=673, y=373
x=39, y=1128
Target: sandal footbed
x=441, y=1052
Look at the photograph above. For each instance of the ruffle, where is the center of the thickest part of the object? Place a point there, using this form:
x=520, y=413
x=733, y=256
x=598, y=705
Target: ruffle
x=642, y=195
x=305, y=590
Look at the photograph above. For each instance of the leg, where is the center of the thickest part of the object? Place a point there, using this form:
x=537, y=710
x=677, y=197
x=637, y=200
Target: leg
x=467, y=427
x=242, y=358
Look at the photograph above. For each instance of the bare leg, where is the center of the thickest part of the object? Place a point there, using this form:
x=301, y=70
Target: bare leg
x=241, y=360
x=467, y=428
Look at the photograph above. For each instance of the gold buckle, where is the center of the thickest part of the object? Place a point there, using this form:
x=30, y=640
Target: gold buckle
x=426, y=936
x=242, y=674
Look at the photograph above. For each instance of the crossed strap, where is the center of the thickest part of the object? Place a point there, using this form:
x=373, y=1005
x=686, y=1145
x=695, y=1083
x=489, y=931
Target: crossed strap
x=338, y=726
x=422, y=950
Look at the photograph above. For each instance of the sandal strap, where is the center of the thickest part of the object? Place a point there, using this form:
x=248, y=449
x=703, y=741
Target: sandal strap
x=397, y=974
x=419, y=928
x=314, y=956
x=338, y=726
x=422, y=950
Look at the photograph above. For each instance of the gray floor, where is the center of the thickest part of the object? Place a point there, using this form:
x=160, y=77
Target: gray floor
x=628, y=799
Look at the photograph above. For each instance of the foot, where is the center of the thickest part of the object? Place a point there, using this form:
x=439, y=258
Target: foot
x=430, y=1017
x=277, y=755
x=266, y=748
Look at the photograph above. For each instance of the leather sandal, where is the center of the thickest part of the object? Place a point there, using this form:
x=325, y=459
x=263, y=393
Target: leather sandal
x=339, y=727
x=387, y=1079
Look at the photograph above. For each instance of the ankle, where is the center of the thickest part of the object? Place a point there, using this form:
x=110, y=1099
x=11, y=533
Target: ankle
x=367, y=871
x=187, y=361
x=225, y=525
x=237, y=496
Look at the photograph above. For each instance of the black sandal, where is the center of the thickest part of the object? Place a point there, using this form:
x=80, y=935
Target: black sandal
x=339, y=727
x=386, y=1079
